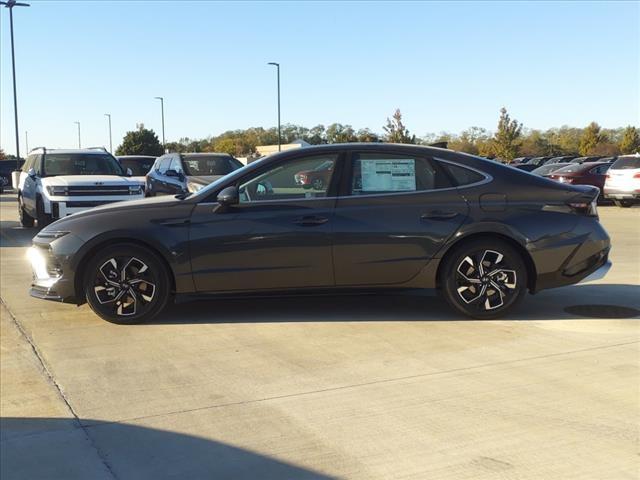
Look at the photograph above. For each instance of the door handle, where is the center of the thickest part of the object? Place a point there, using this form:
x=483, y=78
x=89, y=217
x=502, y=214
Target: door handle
x=310, y=220
x=438, y=215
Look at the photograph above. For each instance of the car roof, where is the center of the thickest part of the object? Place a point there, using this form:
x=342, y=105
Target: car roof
x=85, y=151
x=135, y=156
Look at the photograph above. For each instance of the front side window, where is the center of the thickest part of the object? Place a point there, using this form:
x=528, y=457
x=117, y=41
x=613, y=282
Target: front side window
x=176, y=164
x=29, y=163
x=382, y=173
x=81, y=164
x=163, y=164
x=301, y=178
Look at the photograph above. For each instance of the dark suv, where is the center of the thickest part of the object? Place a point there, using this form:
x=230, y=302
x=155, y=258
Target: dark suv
x=175, y=173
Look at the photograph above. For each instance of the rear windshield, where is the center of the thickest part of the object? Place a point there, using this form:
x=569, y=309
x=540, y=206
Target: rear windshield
x=546, y=169
x=626, y=163
x=139, y=166
x=210, y=165
x=81, y=164
x=571, y=168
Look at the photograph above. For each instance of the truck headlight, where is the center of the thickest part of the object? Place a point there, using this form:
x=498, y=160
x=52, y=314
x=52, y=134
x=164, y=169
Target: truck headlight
x=56, y=191
x=194, y=187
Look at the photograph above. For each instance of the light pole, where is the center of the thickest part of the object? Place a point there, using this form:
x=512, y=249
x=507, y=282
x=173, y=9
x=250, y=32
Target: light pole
x=277, y=65
x=78, y=124
x=162, y=110
x=10, y=4
x=108, y=115
x=26, y=140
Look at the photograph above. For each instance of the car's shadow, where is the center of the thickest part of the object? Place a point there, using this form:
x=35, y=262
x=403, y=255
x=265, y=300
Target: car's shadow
x=12, y=234
x=58, y=448
x=547, y=305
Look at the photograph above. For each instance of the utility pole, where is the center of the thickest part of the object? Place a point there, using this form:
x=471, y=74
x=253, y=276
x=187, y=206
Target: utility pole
x=162, y=111
x=78, y=124
x=277, y=65
x=10, y=4
x=26, y=140
x=108, y=115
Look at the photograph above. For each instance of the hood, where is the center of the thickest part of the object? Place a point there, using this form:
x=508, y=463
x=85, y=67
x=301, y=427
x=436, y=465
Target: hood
x=203, y=179
x=88, y=180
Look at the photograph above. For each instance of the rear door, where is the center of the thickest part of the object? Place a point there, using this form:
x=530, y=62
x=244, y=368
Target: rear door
x=392, y=217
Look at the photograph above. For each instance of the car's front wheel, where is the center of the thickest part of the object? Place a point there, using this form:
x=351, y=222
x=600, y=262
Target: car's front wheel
x=126, y=284
x=623, y=203
x=483, y=278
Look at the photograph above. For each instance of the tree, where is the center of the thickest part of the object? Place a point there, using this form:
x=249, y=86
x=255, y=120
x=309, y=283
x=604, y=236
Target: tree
x=630, y=142
x=591, y=137
x=3, y=156
x=140, y=142
x=226, y=145
x=316, y=135
x=506, y=140
x=367, y=136
x=338, y=133
x=396, y=131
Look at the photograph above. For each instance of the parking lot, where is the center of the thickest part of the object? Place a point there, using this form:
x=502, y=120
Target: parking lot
x=325, y=387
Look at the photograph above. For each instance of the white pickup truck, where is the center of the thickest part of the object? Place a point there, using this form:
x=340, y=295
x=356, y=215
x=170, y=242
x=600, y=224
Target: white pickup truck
x=57, y=183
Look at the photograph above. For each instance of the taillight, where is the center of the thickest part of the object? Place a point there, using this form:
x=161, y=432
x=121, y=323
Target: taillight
x=637, y=175
x=589, y=209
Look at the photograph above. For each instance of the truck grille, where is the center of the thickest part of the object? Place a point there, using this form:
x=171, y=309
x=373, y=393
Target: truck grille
x=87, y=204
x=98, y=190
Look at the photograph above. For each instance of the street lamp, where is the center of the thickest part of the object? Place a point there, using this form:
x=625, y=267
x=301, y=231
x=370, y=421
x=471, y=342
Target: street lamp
x=162, y=110
x=108, y=115
x=10, y=4
x=26, y=140
x=78, y=124
x=277, y=65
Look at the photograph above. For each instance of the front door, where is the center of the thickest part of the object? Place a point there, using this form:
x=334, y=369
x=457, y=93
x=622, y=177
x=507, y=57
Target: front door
x=277, y=237
x=397, y=213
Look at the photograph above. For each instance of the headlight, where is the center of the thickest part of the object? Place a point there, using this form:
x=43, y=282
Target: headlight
x=194, y=187
x=38, y=263
x=135, y=189
x=51, y=234
x=57, y=191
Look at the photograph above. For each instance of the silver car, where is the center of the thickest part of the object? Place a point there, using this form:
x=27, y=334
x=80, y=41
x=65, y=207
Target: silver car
x=623, y=181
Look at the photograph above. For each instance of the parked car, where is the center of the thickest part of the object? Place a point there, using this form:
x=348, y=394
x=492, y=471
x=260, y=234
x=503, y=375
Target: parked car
x=585, y=159
x=6, y=167
x=57, y=183
x=519, y=160
x=623, y=181
x=316, y=178
x=176, y=173
x=588, y=173
x=526, y=167
x=138, y=164
x=548, y=168
x=562, y=159
x=391, y=217
x=538, y=161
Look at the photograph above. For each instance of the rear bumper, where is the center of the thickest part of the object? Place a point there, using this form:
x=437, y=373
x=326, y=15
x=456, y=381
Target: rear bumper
x=621, y=193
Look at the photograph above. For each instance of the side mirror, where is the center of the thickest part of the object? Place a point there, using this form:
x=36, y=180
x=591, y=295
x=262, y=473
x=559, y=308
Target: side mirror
x=31, y=172
x=229, y=196
x=129, y=172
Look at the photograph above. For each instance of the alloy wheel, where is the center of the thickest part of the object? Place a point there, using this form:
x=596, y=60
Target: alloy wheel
x=125, y=286
x=485, y=280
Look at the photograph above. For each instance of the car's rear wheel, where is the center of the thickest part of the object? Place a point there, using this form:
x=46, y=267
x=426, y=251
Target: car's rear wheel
x=26, y=220
x=623, y=203
x=483, y=278
x=126, y=284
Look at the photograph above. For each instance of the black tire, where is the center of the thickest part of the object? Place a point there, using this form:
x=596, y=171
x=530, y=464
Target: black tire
x=623, y=203
x=26, y=220
x=43, y=218
x=126, y=299
x=493, y=273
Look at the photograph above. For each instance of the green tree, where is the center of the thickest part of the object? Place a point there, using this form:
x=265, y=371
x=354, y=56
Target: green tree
x=140, y=142
x=226, y=145
x=630, y=142
x=507, y=139
x=367, y=136
x=590, y=139
x=338, y=133
x=395, y=130
x=316, y=135
x=3, y=156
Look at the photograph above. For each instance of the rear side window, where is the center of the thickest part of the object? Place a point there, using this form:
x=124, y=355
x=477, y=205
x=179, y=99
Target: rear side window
x=626, y=163
x=462, y=175
x=382, y=173
x=600, y=169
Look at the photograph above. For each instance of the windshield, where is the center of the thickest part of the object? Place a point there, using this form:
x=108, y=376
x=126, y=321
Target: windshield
x=139, y=166
x=209, y=165
x=626, y=163
x=81, y=164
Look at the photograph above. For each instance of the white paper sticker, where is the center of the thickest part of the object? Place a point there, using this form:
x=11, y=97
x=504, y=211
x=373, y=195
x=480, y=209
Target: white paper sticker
x=388, y=175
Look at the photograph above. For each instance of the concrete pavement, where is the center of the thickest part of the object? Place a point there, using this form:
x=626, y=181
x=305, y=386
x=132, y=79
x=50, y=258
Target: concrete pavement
x=329, y=387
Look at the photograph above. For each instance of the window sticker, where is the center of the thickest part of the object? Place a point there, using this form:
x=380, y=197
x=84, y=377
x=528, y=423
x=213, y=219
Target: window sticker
x=388, y=175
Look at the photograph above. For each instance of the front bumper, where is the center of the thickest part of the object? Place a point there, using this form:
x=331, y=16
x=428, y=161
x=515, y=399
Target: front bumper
x=60, y=207
x=53, y=272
